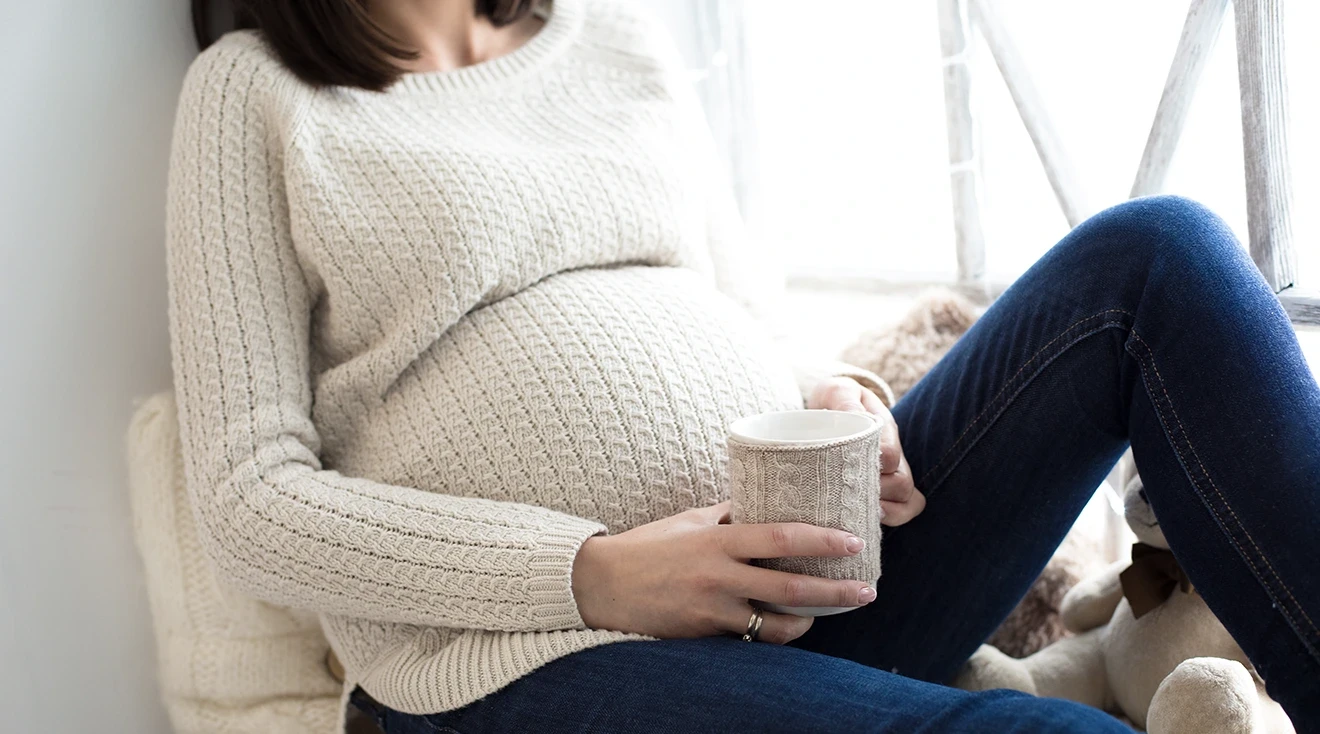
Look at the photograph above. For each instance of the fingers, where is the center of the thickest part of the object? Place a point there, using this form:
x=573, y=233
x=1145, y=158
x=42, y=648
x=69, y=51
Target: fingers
x=837, y=393
x=897, y=486
x=778, y=629
x=798, y=590
x=714, y=514
x=845, y=393
x=781, y=539
x=872, y=402
x=900, y=500
x=898, y=513
x=891, y=451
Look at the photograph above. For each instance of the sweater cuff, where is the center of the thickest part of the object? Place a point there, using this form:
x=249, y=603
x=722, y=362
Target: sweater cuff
x=811, y=373
x=550, y=581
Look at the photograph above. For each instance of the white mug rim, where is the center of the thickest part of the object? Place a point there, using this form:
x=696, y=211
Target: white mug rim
x=865, y=424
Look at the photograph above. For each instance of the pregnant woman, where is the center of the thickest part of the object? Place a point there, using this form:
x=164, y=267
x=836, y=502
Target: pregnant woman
x=460, y=311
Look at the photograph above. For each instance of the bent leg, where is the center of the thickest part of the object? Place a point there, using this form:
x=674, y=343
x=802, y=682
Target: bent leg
x=1148, y=323
x=724, y=684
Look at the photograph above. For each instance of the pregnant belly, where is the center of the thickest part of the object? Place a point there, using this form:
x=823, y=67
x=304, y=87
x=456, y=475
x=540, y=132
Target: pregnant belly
x=604, y=393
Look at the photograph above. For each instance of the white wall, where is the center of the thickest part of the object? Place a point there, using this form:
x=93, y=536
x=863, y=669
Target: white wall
x=88, y=92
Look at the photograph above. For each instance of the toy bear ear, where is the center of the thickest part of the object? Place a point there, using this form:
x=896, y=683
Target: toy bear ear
x=1140, y=515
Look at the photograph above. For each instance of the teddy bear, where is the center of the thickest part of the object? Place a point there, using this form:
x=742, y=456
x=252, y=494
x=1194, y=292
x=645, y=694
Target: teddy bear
x=1145, y=646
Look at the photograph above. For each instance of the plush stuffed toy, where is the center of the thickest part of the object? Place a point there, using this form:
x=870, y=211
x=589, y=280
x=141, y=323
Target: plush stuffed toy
x=1147, y=646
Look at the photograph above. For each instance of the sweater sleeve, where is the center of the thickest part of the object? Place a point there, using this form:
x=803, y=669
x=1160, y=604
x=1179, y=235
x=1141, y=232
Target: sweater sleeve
x=273, y=521
x=749, y=278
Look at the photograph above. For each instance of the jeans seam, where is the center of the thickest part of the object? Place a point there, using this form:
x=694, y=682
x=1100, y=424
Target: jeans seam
x=439, y=728
x=1012, y=380
x=1236, y=521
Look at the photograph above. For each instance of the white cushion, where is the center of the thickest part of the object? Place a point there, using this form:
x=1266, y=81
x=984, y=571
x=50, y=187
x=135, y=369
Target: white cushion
x=227, y=662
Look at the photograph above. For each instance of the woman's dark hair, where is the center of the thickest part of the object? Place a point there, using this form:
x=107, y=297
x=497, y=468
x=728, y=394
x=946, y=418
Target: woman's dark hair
x=330, y=42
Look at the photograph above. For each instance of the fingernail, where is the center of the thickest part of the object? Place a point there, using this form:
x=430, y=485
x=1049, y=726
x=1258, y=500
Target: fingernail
x=866, y=595
x=854, y=544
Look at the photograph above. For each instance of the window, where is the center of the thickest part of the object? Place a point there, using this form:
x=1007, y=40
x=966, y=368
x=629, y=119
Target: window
x=835, y=128
x=842, y=157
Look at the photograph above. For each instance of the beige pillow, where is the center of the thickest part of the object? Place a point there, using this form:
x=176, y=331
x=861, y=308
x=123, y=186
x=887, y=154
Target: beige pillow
x=228, y=663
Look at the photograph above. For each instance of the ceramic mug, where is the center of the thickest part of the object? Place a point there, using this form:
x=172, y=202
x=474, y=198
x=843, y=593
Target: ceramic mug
x=815, y=466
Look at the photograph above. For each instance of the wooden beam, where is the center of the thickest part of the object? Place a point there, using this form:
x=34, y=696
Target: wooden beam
x=964, y=173
x=1200, y=31
x=1264, y=99
x=1303, y=306
x=982, y=294
x=1053, y=158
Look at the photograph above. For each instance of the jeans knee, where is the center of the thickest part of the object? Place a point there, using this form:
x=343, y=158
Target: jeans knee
x=1168, y=229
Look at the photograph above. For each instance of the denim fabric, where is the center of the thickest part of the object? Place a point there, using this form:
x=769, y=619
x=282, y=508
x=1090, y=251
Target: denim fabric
x=722, y=684
x=1147, y=324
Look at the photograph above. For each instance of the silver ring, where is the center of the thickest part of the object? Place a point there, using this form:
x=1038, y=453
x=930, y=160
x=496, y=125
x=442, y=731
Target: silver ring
x=753, y=626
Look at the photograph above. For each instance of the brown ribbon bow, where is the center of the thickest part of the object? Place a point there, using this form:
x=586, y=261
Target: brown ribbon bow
x=1151, y=578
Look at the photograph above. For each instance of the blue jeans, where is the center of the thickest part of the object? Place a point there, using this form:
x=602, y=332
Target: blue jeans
x=1148, y=325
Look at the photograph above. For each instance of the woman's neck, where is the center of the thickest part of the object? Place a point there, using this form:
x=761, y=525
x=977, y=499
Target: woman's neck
x=448, y=34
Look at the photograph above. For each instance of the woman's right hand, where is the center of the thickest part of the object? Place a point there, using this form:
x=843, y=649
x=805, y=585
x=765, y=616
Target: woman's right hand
x=688, y=576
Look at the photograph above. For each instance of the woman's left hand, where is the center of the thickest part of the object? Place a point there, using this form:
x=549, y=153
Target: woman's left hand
x=899, y=498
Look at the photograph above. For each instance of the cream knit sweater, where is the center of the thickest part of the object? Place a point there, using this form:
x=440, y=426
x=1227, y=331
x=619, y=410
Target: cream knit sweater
x=427, y=341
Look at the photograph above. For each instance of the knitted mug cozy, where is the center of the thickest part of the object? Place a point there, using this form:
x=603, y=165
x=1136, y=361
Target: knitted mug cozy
x=833, y=484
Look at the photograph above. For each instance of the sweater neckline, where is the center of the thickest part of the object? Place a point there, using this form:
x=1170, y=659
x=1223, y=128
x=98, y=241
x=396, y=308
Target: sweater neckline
x=562, y=23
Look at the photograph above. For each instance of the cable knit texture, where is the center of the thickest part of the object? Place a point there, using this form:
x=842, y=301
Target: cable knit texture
x=834, y=484
x=425, y=342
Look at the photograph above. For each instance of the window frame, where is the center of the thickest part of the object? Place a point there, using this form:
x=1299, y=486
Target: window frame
x=717, y=27
x=1262, y=84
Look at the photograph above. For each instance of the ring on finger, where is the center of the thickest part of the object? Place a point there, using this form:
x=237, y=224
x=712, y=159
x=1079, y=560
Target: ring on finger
x=753, y=626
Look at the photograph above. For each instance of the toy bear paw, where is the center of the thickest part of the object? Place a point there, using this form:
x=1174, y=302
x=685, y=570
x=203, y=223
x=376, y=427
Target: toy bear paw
x=1212, y=695
x=988, y=668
